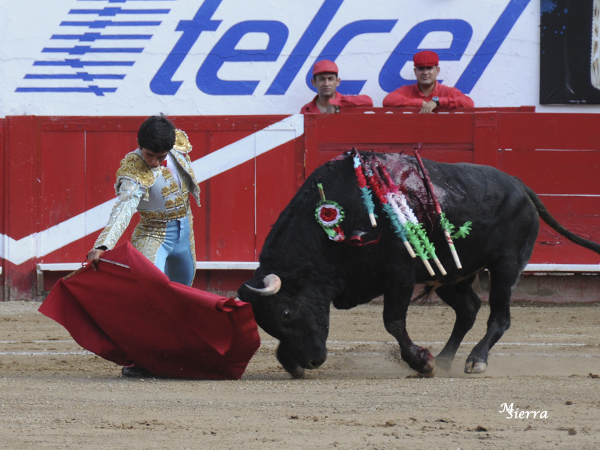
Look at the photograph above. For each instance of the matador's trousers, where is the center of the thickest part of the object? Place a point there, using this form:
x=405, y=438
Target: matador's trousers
x=171, y=253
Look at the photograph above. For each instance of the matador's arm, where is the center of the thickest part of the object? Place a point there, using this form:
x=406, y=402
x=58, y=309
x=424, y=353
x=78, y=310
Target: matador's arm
x=129, y=194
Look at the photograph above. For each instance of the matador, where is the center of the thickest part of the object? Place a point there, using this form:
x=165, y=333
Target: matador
x=156, y=180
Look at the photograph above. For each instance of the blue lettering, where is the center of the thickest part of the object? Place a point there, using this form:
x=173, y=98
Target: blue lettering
x=335, y=46
x=389, y=77
x=225, y=51
x=307, y=42
x=161, y=83
x=491, y=44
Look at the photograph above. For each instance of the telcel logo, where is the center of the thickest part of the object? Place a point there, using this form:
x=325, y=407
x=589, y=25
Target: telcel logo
x=224, y=50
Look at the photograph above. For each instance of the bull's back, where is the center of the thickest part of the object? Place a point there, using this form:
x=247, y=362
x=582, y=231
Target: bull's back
x=505, y=222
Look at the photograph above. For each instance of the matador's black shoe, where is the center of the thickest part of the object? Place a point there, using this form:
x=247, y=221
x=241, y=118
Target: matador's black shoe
x=134, y=371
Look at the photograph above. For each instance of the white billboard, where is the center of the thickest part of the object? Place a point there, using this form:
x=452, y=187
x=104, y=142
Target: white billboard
x=223, y=57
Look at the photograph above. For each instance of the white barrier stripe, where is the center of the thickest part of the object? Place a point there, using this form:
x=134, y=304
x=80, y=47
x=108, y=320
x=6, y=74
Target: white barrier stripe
x=566, y=268
x=45, y=341
x=44, y=353
x=219, y=161
x=249, y=147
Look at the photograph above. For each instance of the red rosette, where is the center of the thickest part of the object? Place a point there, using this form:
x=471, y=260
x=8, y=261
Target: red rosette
x=329, y=214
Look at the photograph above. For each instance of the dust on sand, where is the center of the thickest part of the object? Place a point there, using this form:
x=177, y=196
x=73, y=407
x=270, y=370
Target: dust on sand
x=56, y=395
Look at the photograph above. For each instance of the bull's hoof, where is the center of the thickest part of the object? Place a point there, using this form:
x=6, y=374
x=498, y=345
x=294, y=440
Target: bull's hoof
x=426, y=363
x=428, y=368
x=419, y=360
x=475, y=367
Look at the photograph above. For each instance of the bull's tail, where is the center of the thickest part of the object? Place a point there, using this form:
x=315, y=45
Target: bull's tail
x=547, y=217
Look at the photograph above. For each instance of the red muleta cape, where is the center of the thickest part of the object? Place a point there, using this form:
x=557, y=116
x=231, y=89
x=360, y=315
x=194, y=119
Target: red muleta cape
x=136, y=315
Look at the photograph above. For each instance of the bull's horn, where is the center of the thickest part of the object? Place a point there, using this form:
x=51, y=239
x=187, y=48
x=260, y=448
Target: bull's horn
x=272, y=286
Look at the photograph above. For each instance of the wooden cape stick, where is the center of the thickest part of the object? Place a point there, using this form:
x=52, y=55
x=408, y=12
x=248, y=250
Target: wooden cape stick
x=438, y=209
x=66, y=277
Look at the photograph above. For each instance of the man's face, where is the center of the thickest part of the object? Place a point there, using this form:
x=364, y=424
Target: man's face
x=326, y=84
x=153, y=159
x=426, y=76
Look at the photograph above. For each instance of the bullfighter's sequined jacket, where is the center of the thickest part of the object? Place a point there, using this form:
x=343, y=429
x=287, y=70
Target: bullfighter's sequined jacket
x=156, y=196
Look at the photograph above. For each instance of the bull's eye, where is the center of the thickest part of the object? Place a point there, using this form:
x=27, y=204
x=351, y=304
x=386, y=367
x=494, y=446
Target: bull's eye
x=285, y=314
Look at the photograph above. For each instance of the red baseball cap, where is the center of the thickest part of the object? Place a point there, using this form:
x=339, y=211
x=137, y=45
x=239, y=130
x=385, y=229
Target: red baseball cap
x=325, y=66
x=426, y=58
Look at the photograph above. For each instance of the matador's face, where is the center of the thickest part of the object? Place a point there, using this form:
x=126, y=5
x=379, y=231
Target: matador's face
x=153, y=159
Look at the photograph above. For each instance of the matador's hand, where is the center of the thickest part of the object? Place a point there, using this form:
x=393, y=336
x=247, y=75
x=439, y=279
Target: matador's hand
x=94, y=256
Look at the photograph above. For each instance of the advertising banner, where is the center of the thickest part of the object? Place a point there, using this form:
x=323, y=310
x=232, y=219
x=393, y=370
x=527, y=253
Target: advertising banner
x=227, y=57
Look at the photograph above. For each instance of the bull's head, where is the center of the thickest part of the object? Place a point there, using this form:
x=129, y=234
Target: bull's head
x=294, y=313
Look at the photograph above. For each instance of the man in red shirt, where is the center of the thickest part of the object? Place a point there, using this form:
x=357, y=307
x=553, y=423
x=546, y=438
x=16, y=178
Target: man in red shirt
x=328, y=100
x=427, y=93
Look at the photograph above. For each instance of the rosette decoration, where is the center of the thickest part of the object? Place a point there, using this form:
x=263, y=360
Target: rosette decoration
x=330, y=214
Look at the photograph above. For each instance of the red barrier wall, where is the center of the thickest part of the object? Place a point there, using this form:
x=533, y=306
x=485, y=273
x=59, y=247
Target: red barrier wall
x=57, y=168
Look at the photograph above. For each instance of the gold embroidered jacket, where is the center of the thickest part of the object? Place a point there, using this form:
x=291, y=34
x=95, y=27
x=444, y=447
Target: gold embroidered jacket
x=154, y=193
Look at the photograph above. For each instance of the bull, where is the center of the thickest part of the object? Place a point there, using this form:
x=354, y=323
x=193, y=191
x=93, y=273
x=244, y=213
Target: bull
x=302, y=271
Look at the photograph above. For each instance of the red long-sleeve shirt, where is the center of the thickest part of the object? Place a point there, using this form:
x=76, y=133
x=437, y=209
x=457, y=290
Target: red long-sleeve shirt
x=410, y=95
x=339, y=100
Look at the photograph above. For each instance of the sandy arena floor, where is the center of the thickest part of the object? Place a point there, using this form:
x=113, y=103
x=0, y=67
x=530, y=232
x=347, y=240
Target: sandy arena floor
x=53, y=394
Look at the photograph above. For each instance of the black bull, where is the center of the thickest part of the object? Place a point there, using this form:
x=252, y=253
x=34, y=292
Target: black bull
x=309, y=271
